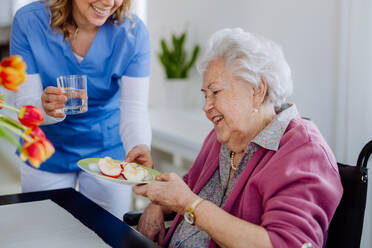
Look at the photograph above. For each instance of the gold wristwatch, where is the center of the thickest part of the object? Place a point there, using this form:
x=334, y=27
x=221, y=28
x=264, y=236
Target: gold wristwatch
x=189, y=214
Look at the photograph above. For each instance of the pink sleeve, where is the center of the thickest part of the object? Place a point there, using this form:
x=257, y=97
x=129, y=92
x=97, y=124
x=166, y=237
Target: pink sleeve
x=299, y=204
x=185, y=178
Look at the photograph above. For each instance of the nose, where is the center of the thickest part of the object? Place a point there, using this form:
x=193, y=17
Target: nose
x=208, y=105
x=108, y=2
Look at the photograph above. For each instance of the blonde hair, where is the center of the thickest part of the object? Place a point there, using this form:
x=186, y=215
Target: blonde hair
x=61, y=15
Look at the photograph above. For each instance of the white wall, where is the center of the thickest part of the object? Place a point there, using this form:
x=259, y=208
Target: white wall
x=5, y=14
x=307, y=31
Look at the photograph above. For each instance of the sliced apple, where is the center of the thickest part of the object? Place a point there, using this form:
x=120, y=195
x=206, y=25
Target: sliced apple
x=109, y=168
x=134, y=172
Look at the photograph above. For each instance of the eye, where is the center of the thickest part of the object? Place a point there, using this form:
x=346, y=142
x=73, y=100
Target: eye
x=215, y=92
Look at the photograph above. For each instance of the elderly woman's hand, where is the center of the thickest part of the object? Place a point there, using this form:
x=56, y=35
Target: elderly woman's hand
x=171, y=191
x=140, y=154
x=151, y=223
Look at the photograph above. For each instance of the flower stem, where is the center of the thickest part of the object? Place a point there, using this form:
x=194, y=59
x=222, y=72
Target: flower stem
x=9, y=107
x=16, y=131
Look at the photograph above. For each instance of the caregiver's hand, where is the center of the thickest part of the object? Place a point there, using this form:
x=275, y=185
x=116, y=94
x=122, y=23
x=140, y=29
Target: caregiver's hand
x=151, y=223
x=140, y=154
x=53, y=100
x=171, y=191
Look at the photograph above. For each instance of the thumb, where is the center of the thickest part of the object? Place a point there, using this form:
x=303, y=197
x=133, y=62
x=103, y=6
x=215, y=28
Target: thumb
x=131, y=156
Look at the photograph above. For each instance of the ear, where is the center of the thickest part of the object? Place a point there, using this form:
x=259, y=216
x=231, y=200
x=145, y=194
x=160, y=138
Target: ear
x=260, y=92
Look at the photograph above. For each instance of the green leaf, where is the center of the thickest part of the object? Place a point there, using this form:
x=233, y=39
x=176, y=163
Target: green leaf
x=5, y=135
x=12, y=122
x=193, y=59
x=164, y=48
x=174, y=59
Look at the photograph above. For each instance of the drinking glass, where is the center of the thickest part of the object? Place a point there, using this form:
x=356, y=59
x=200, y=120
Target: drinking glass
x=75, y=89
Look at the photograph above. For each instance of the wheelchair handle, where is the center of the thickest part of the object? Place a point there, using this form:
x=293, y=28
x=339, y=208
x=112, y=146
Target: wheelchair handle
x=364, y=155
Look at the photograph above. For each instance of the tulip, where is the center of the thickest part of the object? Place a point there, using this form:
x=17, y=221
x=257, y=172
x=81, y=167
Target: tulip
x=49, y=148
x=12, y=72
x=30, y=116
x=15, y=62
x=37, y=151
x=35, y=132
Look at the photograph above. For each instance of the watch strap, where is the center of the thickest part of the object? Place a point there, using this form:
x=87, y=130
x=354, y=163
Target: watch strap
x=193, y=206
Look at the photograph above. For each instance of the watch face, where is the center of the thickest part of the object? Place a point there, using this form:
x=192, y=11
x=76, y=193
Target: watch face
x=189, y=218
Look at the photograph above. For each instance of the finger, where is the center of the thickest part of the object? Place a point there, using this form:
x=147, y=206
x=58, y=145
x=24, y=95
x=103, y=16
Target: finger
x=145, y=160
x=57, y=114
x=55, y=98
x=53, y=90
x=49, y=106
x=140, y=189
x=131, y=156
x=165, y=177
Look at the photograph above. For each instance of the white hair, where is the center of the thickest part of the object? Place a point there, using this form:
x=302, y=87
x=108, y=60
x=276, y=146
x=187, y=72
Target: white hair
x=253, y=58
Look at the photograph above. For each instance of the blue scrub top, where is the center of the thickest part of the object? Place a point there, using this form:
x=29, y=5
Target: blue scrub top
x=117, y=50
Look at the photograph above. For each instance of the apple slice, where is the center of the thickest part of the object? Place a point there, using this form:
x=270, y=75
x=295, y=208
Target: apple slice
x=109, y=168
x=122, y=165
x=134, y=172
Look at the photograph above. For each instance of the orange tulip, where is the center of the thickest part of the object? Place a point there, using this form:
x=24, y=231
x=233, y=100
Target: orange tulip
x=30, y=116
x=12, y=72
x=15, y=62
x=37, y=151
x=49, y=148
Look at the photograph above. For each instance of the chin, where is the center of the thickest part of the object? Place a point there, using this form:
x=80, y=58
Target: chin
x=97, y=20
x=221, y=137
x=98, y=23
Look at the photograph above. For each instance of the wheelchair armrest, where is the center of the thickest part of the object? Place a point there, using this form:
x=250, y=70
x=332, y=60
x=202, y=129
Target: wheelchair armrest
x=132, y=218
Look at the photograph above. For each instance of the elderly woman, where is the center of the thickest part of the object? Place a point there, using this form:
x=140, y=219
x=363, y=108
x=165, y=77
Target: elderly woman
x=264, y=177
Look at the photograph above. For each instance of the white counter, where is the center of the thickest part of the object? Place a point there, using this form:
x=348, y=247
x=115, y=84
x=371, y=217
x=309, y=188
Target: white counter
x=180, y=133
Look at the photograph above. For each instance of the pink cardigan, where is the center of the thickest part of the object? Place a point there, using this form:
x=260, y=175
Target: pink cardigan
x=292, y=193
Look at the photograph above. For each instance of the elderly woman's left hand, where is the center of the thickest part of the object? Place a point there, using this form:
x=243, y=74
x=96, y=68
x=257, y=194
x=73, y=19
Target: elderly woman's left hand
x=170, y=191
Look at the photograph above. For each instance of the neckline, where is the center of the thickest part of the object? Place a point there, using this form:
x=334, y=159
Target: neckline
x=71, y=54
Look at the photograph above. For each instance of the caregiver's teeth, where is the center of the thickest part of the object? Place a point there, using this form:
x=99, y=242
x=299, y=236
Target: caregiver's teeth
x=101, y=12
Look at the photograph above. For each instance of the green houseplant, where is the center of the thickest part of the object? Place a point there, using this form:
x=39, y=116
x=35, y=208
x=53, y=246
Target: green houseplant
x=175, y=59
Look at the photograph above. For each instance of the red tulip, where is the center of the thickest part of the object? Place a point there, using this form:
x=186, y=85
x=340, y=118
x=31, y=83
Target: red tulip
x=37, y=151
x=30, y=116
x=12, y=72
x=35, y=132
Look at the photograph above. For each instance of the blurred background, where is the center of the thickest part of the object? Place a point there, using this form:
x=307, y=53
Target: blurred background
x=328, y=45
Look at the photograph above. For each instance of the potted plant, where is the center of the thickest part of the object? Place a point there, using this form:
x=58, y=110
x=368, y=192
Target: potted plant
x=177, y=63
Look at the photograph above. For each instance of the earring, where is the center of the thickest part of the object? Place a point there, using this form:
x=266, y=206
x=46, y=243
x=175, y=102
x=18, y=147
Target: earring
x=255, y=110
